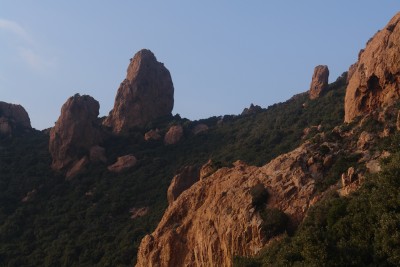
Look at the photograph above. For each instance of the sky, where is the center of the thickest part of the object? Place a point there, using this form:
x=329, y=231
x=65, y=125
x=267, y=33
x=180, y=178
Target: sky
x=222, y=55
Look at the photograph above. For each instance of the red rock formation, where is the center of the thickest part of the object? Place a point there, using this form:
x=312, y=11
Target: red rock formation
x=123, y=163
x=75, y=133
x=375, y=81
x=319, y=82
x=173, y=135
x=13, y=118
x=214, y=219
x=146, y=94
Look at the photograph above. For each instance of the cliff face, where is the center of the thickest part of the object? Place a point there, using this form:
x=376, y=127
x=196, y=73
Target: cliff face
x=146, y=94
x=215, y=219
x=75, y=133
x=13, y=117
x=375, y=79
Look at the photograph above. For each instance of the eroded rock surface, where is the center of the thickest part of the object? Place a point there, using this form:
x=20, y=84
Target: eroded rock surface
x=123, y=163
x=215, y=219
x=173, y=135
x=319, y=82
x=375, y=81
x=13, y=118
x=146, y=94
x=75, y=132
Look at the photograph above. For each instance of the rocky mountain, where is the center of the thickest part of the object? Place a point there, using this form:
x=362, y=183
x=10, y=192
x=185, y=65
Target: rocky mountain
x=288, y=185
x=13, y=118
x=147, y=93
x=375, y=77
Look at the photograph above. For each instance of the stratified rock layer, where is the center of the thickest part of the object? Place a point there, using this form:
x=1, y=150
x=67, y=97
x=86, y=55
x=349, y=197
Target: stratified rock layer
x=319, y=82
x=75, y=132
x=146, y=94
x=375, y=81
x=13, y=117
x=214, y=219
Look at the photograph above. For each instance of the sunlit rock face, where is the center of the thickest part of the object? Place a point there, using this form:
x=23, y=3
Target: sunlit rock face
x=375, y=79
x=214, y=219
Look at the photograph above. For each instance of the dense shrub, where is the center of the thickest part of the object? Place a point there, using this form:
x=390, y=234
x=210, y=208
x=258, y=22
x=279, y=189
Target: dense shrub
x=259, y=195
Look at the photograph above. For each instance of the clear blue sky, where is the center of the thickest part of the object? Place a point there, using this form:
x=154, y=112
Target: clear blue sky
x=222, y=55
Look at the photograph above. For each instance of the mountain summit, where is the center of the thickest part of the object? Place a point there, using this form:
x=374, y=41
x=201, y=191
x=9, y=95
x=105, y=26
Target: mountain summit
x=146, y=94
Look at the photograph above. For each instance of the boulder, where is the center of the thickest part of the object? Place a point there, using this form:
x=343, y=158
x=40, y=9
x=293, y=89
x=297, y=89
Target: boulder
x=146, y=94
x=375, y=82
x=319, y=82
x=123, y=163
x=75, y=132
x=13, y=118
x=173, y=135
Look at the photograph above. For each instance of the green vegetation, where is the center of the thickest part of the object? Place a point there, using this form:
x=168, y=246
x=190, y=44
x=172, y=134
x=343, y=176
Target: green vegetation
x=259, y=195
x=87, y=221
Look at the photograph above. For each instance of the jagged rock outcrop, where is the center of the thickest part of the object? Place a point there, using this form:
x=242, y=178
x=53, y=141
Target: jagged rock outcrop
x=214, y=219
x=182, y=181
x=173, y=135
x=13, y=118
x=375, y=81
x=123, y=163
x=253, y=109
x=75, y=133
x=146, y=94
x=319, y=82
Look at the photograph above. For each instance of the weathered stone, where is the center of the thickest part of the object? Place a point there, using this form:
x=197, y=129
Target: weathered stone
x=182, y=181
x=365, y=140
x=123, y=163
x=77, y=168
x=319, y=82
x=75, y=133
x=375, y=82
x=214, y=219
x=173, y=135
x=146, y=94
x=13, y=118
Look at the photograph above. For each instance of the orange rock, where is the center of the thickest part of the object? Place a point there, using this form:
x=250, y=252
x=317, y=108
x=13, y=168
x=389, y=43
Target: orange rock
x=214, y=219
x=319, y=82
x=375, y=81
